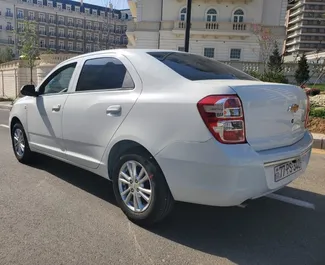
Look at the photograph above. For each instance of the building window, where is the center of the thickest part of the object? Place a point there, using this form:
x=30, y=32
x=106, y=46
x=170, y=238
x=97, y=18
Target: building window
x=235, y=54
x=59, y=6
x=52, y=44
x=31, y=15
x=87, y=11
x=211, y=15
x=238, y=16
x=95, y=12
x=40, y=2
x=183, y=14
x=51, y=19
x=209, y=52
x=42, y=43
x=77, y=9
x=52, y=31
x=50, y=3
x=68, y=7
x=181, y=49
x=70, y=46
x=102, y=13
x=20, y=14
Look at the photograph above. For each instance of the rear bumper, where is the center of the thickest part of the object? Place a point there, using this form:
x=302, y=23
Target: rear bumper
x=226, y=175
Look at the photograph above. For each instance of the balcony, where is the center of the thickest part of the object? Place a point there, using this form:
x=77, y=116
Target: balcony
x=79, y=37
x=70, y=24
x=9, y=28
x=61, y=35
x=7, y=41
x=70, y=36
x=20, y=16
x=62, y=47
x=42, y=33
x=80, y=26
x=42, y=20
x=214, y=28
x=89, y=27
x=9, y=15
x=61, y=23
x=31, y=18
x=89, y=39
x=52, y=34
x=52, y=21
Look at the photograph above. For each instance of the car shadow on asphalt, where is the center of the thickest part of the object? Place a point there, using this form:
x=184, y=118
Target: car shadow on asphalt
x=266, y=232
x=85, y=180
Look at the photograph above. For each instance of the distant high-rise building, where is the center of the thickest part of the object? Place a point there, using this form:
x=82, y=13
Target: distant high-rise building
x=64, y=25
x=305, y=26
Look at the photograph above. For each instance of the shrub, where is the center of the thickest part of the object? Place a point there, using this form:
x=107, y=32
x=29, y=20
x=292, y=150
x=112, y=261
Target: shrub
x=312, y=91
x=318, y=112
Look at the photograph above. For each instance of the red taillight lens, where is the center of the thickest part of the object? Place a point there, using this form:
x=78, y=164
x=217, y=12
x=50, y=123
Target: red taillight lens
x=224, y=117
x=307, y=112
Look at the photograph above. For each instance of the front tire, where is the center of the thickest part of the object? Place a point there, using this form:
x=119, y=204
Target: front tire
x=20, y=144
x=140, y=188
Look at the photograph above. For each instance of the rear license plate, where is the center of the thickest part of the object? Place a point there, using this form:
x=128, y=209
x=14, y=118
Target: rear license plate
x=286, y=169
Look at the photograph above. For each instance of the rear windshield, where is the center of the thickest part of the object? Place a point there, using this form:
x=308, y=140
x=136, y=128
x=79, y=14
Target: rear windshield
x=196, y=67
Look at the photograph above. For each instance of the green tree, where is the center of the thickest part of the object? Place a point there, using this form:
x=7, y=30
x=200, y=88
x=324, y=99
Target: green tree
x=275, y=62
x=6, y=55
x=302, y=72
x=29, y=45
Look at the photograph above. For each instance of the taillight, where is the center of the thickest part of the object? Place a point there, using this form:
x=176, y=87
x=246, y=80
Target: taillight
x=224, y=117
x=307, y=112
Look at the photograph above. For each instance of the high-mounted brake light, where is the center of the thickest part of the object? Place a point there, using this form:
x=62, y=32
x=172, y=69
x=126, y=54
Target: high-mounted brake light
x=307, y=112
x=224, y=117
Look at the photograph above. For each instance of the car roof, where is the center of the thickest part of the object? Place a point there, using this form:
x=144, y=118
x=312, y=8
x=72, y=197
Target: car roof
x=118, y=51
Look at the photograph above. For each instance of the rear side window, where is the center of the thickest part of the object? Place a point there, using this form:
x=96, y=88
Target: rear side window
x=196, y=67
x=104, y=73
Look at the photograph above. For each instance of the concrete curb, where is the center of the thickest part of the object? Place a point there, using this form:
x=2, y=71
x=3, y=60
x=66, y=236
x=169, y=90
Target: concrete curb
x=319, y=141
x=6, y=106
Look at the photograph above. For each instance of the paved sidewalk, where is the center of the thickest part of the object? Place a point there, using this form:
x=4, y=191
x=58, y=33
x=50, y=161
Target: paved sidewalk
x=319, y=139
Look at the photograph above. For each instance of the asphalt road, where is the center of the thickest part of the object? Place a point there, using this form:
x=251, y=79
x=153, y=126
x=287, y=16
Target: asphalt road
x=54, y=213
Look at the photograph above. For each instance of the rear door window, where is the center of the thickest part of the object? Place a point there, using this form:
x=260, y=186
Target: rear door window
x=104, y=73
x=196, y=67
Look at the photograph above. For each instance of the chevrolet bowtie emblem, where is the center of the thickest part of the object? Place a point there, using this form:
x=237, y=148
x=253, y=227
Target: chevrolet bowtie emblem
x=293, y=108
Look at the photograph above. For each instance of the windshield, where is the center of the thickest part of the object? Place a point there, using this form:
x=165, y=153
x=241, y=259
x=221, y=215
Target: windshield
x=196, y=67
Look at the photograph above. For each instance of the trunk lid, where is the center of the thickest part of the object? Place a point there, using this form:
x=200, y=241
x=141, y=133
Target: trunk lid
x=274, y=113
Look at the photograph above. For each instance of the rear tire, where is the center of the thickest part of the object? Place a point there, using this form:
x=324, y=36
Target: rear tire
x=20, y=144
x=144, y=197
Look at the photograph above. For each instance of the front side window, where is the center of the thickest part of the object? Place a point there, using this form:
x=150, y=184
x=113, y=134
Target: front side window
x=59, y=81
x=104, y=73
x=196, y=67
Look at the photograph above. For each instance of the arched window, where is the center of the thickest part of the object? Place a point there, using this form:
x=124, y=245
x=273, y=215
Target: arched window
x=212, y=15
x=183, y=14
x=238, y=16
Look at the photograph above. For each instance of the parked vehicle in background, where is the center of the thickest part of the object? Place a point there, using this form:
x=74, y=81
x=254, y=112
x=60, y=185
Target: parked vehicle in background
x=166, y=126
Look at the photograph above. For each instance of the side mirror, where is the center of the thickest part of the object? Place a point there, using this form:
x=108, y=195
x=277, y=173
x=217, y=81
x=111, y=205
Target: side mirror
x=28, y=90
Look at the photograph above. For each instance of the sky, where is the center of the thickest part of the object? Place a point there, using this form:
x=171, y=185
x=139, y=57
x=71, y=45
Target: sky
x=118, y=4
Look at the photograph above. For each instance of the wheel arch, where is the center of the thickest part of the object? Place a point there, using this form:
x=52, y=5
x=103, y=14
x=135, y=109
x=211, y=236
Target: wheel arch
x=13, y=121
x=122, y=147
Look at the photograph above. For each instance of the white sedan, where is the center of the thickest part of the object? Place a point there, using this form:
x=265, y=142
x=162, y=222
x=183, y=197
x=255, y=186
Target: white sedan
x=166, y=126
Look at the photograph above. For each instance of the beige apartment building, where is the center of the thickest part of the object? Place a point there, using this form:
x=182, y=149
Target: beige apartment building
x=67, y=26
x=305, y=27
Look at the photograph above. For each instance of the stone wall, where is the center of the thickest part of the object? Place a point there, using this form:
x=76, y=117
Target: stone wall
x=15, y=74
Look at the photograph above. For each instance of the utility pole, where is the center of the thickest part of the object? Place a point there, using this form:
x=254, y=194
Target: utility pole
x=188, y=25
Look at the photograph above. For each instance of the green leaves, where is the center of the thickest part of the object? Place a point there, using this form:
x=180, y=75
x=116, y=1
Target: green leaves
x=302, y=72
x=29, y=40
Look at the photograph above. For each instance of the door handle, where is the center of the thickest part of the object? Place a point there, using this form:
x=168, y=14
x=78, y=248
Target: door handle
x=114, y=110
x=56, y=108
